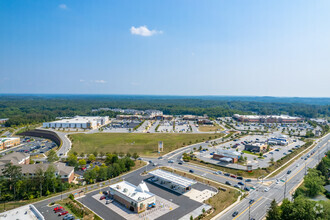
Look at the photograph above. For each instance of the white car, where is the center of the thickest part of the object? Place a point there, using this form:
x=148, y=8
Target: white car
x=297, y=164
x=266, y=189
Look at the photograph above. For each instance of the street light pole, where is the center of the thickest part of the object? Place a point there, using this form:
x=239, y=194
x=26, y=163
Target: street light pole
x=285, y=186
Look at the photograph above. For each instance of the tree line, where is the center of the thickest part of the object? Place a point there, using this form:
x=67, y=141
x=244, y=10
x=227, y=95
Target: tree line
x=15, y=186
x=24, y=110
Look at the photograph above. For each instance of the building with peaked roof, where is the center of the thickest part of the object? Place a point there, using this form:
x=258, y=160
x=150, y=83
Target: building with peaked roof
x=16, y=158
x=135, y=198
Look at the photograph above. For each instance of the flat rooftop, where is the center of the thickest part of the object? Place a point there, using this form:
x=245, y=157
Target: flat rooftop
x=174, y=178
x=78, y=119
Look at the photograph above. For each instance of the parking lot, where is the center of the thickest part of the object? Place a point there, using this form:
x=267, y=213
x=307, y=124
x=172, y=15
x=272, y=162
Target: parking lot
x=276, y=152
x=175, y=205
x=33, y=146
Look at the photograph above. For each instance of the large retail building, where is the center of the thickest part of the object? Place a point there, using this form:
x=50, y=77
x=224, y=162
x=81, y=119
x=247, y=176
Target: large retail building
x=84, y=122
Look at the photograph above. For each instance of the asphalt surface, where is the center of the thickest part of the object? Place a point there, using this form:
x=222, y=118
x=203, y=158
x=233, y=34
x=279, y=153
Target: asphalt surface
x=277, y=191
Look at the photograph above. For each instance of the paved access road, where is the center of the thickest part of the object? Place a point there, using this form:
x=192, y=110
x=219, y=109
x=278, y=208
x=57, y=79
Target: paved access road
x=277, y=191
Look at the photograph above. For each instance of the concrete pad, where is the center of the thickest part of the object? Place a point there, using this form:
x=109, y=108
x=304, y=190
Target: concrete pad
x=199, y=196
x=163, y=206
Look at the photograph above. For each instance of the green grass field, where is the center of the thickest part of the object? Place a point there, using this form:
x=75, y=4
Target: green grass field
x=144, y=144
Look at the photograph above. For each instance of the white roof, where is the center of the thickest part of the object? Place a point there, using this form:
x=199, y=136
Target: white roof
x=228, y=153
x=176, y=179
x=136, y=193
x=79, y=119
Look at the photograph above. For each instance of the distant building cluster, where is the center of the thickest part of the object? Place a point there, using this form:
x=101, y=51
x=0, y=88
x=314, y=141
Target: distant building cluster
x=6, y=143
x=66, y=173
x=267, y=118
x=3, y=120
x=82, y=122
x=281, y=140
x=144, y=117
x=256, y=147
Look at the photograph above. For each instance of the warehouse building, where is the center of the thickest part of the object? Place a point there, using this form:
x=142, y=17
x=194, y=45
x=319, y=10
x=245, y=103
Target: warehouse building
x=135, y=198
x=280, y=140
x=228, y=156
x=267, y=118
x=171, y=181
x=82, y=122
x=6, y=143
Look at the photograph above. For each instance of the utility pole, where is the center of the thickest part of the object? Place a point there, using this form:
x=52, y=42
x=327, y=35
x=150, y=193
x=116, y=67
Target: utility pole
x=285, y=186
x=249, y=211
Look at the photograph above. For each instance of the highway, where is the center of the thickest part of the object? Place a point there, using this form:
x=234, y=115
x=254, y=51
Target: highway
x=257, y=210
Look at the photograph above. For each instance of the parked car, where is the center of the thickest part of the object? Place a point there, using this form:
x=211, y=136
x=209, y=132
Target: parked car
x=246, y=188
x=68, y=217
x=240, y=183
x=58, y=207
x=228, y=183
x=59, y=210
x=102, y=197
x=240, y=178
x=227, y=174
x=105, y=192
x=233, y=176
x=248, y=180
x=191, y=171
x=277, y=150
x=180, y=163
x=63, y=213
x=237, y=186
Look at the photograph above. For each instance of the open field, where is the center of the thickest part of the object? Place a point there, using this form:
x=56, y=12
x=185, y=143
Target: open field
x=209, y=128
x=143, y=144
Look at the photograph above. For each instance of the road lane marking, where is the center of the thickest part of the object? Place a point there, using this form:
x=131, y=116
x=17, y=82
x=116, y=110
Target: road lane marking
x=247, y=208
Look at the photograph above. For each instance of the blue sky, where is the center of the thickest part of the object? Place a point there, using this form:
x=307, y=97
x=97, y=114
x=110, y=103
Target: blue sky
x=179, y=47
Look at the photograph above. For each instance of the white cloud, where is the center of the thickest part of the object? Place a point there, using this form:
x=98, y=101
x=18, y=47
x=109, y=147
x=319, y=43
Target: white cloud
x=100, y=81
x=63, y=6
x=82, y=80
x=144, y=31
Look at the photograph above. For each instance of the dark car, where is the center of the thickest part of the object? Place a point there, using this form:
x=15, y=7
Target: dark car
x=228, y=183
x=246, y=188
x=248, y=180
x=191, y=171
x=240, y=178
x=277, y=150
x=105, y=193
x=235, y=213
x=251, y=201
x=289, y=171
x=180, y=163
x=226, y=174
x=240, y=183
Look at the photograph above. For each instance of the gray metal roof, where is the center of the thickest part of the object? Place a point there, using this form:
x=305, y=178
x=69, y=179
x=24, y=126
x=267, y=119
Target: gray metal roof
x=174, y=178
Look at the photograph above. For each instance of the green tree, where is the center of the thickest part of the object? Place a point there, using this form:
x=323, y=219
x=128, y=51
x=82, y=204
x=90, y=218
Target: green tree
x=52, y=156
x=91, y=157
x=82, y=162
x=72, y=160
x=314, y=182
x=274, y=212
x=135, y=156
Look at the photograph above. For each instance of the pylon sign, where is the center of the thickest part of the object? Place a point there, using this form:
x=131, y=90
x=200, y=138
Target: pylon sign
x=160, y=146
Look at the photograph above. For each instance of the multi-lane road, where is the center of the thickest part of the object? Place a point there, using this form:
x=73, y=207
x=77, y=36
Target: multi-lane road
x=277, y=187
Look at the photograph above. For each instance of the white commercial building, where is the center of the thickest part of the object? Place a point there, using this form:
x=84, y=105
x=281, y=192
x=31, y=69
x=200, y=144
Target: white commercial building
x=172, y=181
x=135, y=198
x=84, y=122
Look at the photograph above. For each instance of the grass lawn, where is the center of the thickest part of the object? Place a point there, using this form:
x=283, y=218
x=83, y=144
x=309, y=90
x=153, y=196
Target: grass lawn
x=209, y=128
x=142, y=143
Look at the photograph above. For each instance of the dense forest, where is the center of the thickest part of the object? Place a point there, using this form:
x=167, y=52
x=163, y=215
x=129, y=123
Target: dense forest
x=30, y=109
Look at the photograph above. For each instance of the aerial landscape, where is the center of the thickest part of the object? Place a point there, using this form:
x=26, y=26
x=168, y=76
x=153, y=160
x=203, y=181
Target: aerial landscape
x=167, y=110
